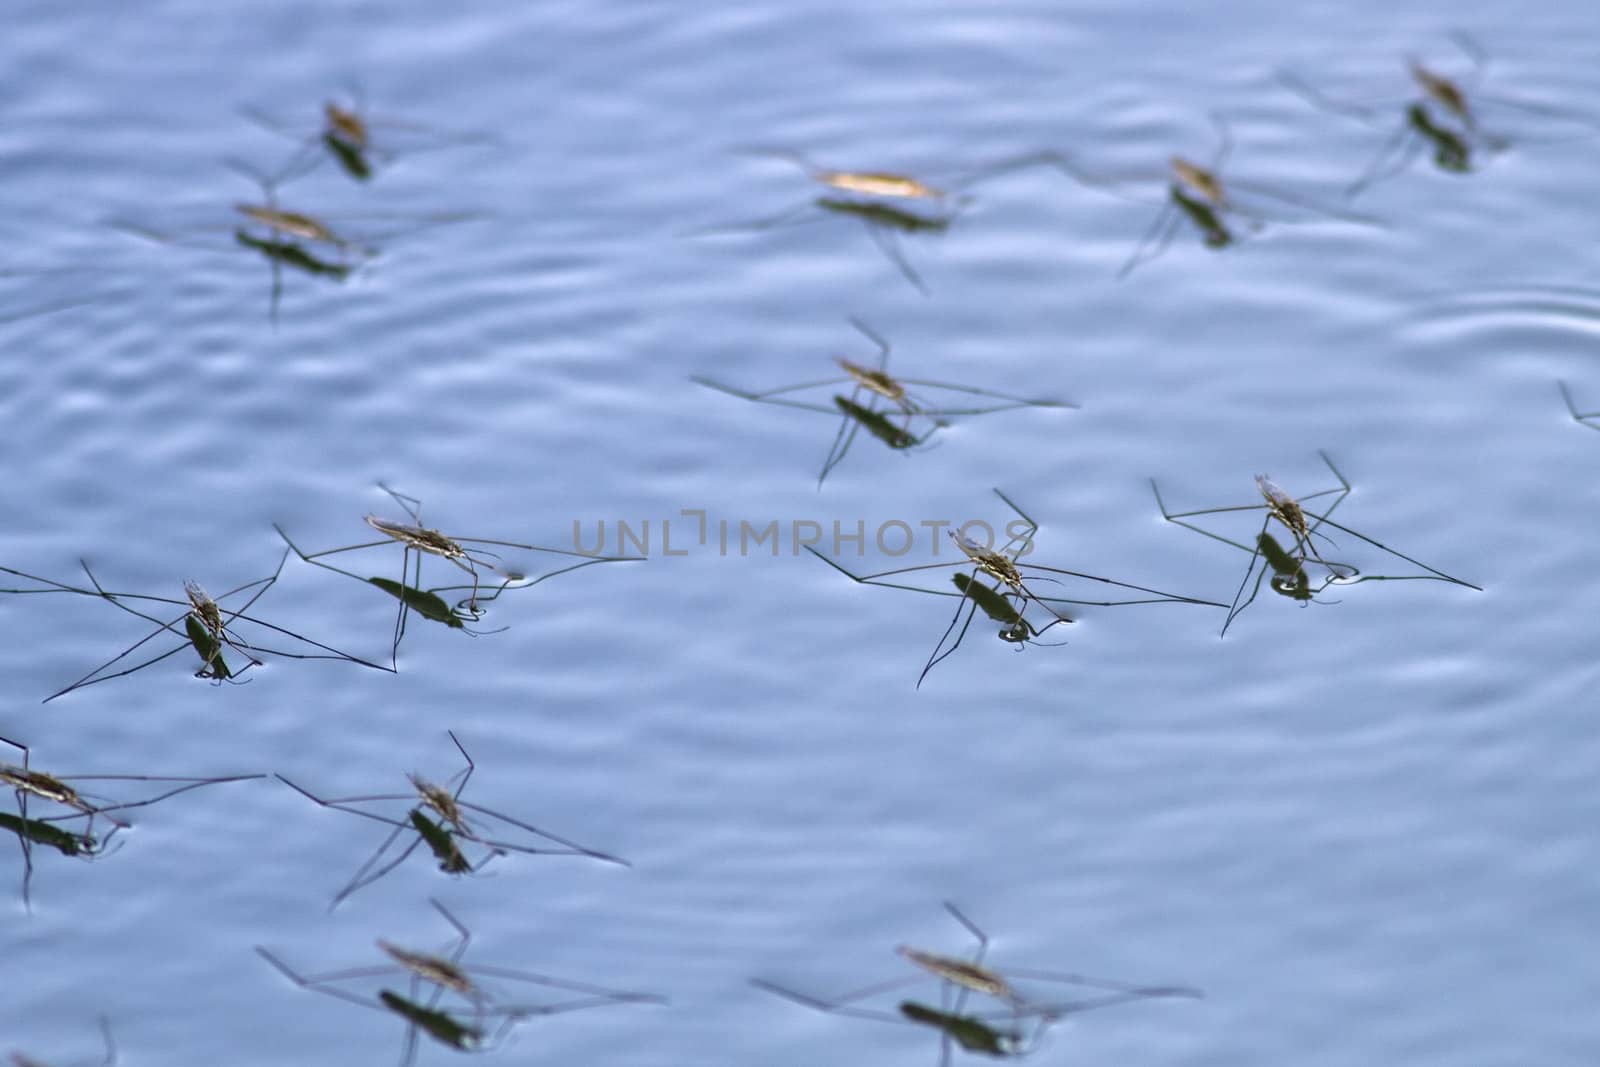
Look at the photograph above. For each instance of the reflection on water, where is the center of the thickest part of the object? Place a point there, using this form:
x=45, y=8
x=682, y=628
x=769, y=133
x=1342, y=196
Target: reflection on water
x=740, y=728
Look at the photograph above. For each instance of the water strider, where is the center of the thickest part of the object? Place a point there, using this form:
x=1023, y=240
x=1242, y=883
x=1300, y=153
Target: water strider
x=1288, y=567
x=1224, y=210
x=357, y=141
x=1442, y=113
x=906, y=419
x=438, y=818
x=62, y=791
x=477, y=1018
x=468, y=554
x=205, y=627
x=314, y=244
x=888, y=204
x=978, y=1030
x=1008, y=580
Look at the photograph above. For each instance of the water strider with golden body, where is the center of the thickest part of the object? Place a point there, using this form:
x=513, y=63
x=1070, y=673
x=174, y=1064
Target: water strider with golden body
x=1444, y=92
x=419, y=537
x=964, y=973
x=291, y=223
x=1284, y=507
x=442, y=801
x=1203, y=181
x=879, y=382
x=439, y=970
x=877, y=183
x=994, y=564
x=45, y=787
x=345, y=125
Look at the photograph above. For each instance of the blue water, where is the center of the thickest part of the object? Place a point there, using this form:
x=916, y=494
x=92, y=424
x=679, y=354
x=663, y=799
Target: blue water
x=1365, y=829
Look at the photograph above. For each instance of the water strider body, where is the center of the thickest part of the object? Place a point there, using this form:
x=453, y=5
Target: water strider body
x=878, y=183
x=293, y=224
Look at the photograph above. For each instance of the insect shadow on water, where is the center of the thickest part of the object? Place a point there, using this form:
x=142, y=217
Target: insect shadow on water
x=467, y=554
x=891, y=424
x=1202, y=196
x=206, y=626
x=358, y=141
x=310, y=244
x=439, y=818
x=1000, y=1031
x=1582, y=418
x=887, y=204
x=1010, y=596
x=1288, y=566
x=1443, y=114
x=61, y=790
x=476, y=1018
x=19, y=1059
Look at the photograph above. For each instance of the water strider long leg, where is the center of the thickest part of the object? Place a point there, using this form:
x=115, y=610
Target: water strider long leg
x=889, y=244
x=1160, y=233
x=1398, y=555
x=1402, y=146
x=1235, y=608
x=937, y=656
x=1582, y=418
